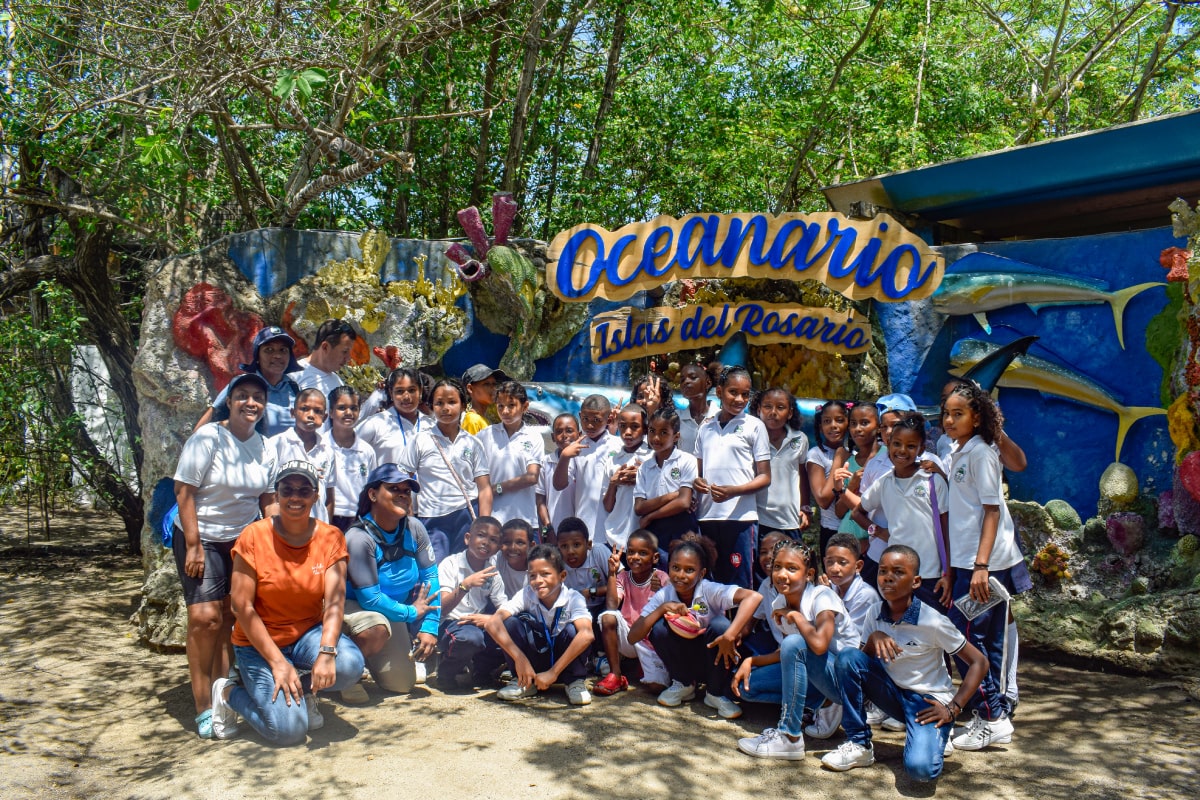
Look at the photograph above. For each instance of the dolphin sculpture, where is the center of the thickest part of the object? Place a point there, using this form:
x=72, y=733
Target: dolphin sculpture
x=983, y=282
x=1048, y=378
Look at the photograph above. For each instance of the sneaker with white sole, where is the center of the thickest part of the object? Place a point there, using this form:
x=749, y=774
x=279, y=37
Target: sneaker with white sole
x=316, y=720
x=825, y=721
x=578, y=694
x=676, y=694
x=948, y=750
x=725, y=708
x=849, y=756
x=513, y=691
x=422, y=672
x=892, y=724
x=772, y=744
x=356, y=695
x=875, y=715
x=224, y=718
x=980, y=733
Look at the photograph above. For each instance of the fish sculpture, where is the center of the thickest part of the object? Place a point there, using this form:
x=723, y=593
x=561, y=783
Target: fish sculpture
x=983, y=282
x=1030, y=372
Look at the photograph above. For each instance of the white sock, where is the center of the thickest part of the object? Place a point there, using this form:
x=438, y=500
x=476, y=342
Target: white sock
x=1010, y=666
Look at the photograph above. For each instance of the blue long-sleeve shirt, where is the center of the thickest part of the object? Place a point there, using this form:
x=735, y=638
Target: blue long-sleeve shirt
x=386, y=587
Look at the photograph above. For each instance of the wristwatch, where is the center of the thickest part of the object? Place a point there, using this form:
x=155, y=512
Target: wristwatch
x=328, y=650
x=498, y=489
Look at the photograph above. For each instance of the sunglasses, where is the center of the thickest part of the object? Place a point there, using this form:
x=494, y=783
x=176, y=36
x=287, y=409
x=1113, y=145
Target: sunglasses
x=303, y=492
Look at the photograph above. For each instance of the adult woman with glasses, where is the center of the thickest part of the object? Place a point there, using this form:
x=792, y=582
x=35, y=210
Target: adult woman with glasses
x=289, y=577
x=393, y=584
x=221, y=483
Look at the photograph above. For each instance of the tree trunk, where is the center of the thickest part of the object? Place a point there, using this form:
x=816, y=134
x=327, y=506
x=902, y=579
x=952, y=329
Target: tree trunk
x=606, y=101
x=485, y=122
x=532, y=44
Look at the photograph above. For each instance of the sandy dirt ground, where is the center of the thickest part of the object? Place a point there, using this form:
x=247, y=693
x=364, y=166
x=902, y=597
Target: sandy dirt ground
x=85, y=712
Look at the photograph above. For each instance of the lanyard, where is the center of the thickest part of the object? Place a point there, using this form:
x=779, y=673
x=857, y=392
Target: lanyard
x=553, y=626
x=416, y=426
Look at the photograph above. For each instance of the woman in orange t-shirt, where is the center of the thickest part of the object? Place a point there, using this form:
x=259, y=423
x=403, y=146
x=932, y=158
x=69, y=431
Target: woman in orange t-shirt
x=289, y=592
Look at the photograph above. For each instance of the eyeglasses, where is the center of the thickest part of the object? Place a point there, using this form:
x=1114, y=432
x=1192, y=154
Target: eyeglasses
x=303, y=492
x=399, y=489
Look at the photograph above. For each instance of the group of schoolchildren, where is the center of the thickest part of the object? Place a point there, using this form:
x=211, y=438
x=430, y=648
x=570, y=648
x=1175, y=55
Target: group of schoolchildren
x=551, y=564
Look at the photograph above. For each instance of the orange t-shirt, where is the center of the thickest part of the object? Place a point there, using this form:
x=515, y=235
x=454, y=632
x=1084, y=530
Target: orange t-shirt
x=290, y=591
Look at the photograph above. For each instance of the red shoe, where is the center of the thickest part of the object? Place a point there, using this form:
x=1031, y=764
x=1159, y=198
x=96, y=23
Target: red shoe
x=610, y=684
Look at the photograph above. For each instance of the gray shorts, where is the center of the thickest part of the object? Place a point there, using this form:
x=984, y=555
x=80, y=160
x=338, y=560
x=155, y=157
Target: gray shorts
x=218, y=567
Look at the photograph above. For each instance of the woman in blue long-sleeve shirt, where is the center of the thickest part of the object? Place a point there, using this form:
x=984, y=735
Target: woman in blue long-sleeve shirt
x=392, y=586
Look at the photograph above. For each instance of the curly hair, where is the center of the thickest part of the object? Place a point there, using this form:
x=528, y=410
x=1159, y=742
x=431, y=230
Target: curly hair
x=988, y=419
x=704, y=548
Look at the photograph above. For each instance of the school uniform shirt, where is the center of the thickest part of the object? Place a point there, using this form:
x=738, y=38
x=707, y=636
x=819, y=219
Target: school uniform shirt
x=559, y=505
x=442, y=491
x=229, y=475
x=632, y=596
x=689, y=428
x=351, y=466
x=622, y=521
x=371, y=405
x=514, y=579
x=510, y=457
x=588, y=476
x=975, y=474
x=453, y=570
x=875, y=469
x=289, y=447
x=815, y=600
x=779, y=503
x=728, y=455
x=823, y=458
x=566, y=609
x=945, y=446
x=678, y=470
x=859, y=599
x=905, y=501
x=591, y=574
x=710, y=599
x=922, y=635
x=389, y=434
x=767, y=590
x=281, y=398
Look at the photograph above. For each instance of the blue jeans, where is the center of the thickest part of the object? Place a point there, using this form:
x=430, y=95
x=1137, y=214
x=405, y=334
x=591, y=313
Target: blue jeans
x=524, y=636
x=986, y=633
x=800, y=679
x=462, y=644
x=275, y=720
x=863, y=677
x=689, y=661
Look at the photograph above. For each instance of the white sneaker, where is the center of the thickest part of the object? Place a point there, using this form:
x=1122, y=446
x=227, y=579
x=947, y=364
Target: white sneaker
x=772, y=744
x=513, y=691
x=849, y=756
x=980, y=733
x=726, y=708
x=676, y=694
x=825, y=721
x=224, y=718
x=316, y=720
x=578, y=694
x=875, y=715
x=356, y=695
x=948, y=750
x=892, y=724
x=419, y=666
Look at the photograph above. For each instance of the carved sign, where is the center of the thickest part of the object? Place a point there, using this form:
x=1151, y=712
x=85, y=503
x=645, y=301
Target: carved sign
x=860, y=259
x=633, y=333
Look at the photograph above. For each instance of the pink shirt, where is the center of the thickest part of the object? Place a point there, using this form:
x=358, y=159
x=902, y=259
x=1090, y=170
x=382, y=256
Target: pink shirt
x=634, y=597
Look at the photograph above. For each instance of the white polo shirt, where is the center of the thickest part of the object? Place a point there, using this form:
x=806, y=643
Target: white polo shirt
x=389, y=434
x=779, y=503
x=514, y=579
x=621, y=521
x=975, y=474
x=728, y=455
x=922, y=635
x=567, y=608
x=510, y=457
x=588, y=476
x=351, y=467
x=689, y=428
x=859, y=599
x=288, y=447
x=591, y=574
x=453, y=570
x=559, y=505
x=442, y=490
x=229, y=475
x=655, y=480
x=905, y=501
x=710, y=599
x=823, y=458
x=815, y=600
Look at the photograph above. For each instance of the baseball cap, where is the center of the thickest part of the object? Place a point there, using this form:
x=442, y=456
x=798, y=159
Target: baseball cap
x=481, y=372
x=384, y=473
x=302, y=468
x=895, y=402
x=272, y=333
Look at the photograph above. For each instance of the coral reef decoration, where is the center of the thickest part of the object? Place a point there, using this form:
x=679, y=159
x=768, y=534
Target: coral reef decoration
x=1175, y=261
x=1181, y=424
x=1126, y=532
x=1051, y=561
x=207, y=326
x=1189, y=473
x=390, y=356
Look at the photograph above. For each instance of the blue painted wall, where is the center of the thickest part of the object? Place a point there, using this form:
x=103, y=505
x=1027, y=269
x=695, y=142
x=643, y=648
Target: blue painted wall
x=1069, y=444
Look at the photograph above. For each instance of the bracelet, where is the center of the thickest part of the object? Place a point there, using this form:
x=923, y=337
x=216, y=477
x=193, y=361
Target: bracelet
x=980, y=566
x=957, y=708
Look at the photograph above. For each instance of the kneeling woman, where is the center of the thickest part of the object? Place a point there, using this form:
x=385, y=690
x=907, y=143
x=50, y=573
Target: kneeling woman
x=289, y=591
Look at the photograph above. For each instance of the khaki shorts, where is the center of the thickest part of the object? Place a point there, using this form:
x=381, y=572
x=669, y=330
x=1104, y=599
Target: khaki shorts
x=392, y=667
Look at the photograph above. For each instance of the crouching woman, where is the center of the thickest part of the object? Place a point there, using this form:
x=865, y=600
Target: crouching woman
x=289, y=592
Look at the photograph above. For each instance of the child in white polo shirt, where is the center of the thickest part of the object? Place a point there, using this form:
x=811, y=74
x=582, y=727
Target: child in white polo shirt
x=555, y=505
x=581, y=463
x=901, y=668
x=662, y=494
x=471, y=590
x=514, y=456
x=304, y=441
x=621, y=465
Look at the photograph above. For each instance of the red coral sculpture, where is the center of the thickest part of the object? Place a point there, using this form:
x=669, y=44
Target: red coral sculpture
x=208, y=327
x=300, y=349
x=389, y=355
x=1175, y=260
x=504, y=211
x=472, y=223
